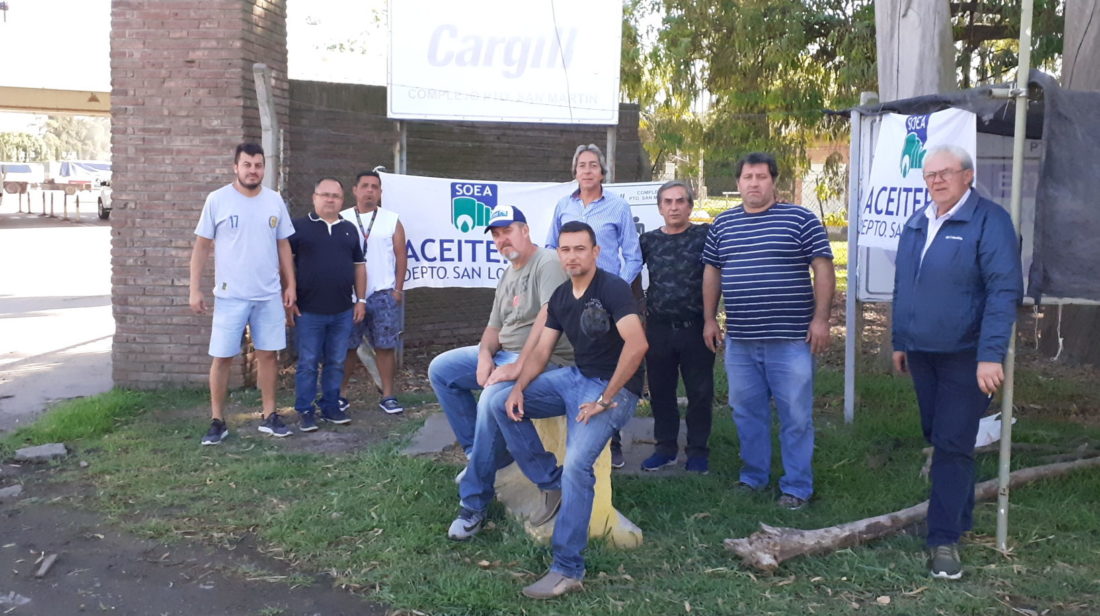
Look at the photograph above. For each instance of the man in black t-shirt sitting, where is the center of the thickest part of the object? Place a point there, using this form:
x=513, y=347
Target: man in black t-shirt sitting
x=597, y=312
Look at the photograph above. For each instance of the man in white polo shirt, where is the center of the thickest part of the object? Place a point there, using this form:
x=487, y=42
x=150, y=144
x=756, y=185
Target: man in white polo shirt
x=248, y=227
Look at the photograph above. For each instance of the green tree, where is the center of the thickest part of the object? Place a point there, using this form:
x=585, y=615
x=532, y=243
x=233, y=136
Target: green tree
x=718, y=78
x=987, y=35
x=22, y=147
x=79, y=137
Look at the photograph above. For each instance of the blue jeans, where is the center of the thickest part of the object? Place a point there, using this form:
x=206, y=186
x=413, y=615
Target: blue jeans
x=322, y=339
x=758, y=372
x=951, y=405
x=453, y=375
x=555, y=393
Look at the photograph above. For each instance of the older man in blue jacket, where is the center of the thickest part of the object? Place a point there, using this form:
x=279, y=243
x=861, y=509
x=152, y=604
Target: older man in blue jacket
x=956, y=289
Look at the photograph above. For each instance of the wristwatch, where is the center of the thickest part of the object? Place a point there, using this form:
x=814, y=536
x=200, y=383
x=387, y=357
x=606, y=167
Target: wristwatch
x=361, y=300
x=603, y=403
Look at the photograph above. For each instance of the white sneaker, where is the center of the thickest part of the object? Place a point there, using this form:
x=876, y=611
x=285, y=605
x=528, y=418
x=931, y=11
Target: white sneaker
x=466, y=525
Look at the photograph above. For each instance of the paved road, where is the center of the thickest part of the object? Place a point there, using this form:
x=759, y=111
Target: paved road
x=55, y=310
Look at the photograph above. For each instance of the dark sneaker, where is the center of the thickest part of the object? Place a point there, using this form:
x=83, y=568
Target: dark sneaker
x=307, y=422
x=273, y=425
x=551, y=502
x=466, y=525
x=552, y=585
x=745, y=489
x=216, y=434
x=344, y=404
x=390, y=405
x=697, y=464
x=790, y=502
x=944, y=562
x=337, y=417
x=617, y=459
x=656, y=462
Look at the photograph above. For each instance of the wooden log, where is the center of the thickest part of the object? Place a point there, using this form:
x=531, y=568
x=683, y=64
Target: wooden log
x=768, y=547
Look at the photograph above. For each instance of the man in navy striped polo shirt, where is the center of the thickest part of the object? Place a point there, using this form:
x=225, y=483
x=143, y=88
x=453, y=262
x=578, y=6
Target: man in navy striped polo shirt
x=758, y=256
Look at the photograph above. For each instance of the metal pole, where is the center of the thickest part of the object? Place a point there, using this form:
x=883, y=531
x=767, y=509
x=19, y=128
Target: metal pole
x=612, y=146
x=404, y=148
x=78, y=207
x=269, y=122
x=1019, y=135
x=397, y=148
x=851, y=299
x=851, y=339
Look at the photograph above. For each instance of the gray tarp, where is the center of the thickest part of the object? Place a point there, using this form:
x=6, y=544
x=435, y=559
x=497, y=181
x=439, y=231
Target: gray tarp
x=1066, y=262
x=1067, y=200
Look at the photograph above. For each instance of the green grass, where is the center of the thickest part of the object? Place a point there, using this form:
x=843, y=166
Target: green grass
x=377, y=520
x=86, y=418
x=840, y=262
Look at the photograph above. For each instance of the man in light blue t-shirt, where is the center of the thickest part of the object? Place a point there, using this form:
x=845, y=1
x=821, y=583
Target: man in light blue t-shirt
x=248, y=228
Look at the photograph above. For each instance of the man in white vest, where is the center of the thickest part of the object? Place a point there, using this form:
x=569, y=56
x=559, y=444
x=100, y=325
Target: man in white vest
x=383, y=240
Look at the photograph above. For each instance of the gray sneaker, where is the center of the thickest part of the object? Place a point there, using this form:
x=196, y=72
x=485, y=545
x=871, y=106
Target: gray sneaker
x=551, y=502
x=466, y=525
x=944, y=562
x=791, y=502
x=552, y=585
x=273, y=425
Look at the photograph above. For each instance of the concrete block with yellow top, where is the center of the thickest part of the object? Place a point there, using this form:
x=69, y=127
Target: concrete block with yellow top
x=522, y=498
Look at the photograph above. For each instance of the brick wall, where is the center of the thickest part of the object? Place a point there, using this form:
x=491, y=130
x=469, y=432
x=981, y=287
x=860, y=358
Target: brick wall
x=340, y=129
x=182, y=98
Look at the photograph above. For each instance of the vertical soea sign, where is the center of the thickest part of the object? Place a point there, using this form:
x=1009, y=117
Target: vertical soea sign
x=554, y=61
x=897, y=189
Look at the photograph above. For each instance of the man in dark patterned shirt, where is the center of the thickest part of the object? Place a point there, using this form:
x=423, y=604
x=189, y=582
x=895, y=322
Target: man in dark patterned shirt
x=674, y=328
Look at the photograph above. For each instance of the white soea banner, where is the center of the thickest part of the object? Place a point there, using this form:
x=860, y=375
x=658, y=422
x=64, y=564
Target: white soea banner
x=445, y=222
x=505, y=61
x=897, y=188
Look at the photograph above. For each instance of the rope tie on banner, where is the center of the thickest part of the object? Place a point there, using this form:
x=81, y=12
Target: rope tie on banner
x=1035, y=316
x=1060, y=340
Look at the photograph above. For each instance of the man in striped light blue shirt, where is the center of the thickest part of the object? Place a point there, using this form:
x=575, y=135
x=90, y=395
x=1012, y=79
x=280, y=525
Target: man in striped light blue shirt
x=616, y=233
x=758, y=256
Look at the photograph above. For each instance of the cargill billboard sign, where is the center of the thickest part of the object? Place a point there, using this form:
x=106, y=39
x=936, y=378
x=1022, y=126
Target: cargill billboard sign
x=554, y=61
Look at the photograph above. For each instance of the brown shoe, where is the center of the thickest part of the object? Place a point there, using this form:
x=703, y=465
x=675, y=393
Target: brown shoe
x=551, y=502
x=552, y=585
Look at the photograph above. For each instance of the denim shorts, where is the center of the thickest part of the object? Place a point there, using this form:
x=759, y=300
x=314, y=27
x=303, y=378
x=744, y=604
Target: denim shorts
x=266, y=321
x=383, y=321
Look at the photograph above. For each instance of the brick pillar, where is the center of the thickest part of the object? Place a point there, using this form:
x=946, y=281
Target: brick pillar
x=182, y=98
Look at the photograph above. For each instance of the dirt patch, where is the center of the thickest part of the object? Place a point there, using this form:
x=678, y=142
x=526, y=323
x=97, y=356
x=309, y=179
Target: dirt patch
x=100, y=569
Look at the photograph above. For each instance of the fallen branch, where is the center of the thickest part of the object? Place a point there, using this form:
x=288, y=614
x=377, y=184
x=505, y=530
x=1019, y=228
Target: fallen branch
x=1056, y=453
x=768, y=547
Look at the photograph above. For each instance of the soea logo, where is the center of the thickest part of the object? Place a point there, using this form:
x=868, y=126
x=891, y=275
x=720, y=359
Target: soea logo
x=913, y=150
x=471, y=204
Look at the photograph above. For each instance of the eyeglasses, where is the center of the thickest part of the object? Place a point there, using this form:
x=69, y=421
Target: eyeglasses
x=932, y=176
x=339, y=196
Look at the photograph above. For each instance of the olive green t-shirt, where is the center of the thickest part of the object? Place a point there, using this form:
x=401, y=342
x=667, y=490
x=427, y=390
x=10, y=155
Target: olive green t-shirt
x=519, y=297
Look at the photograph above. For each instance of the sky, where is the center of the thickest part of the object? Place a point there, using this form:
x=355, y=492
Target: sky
x=65, y=45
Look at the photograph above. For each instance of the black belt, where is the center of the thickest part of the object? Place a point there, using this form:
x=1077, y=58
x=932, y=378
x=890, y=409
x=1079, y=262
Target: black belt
x=675, y=323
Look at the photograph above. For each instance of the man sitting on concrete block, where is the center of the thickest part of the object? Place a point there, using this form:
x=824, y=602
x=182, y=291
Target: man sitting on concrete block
x=597, y=312
x=516, y=319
